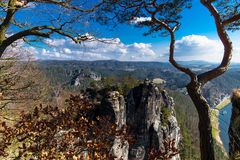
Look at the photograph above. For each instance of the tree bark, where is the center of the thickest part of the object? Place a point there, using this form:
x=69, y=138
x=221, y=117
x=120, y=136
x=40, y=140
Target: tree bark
x=2, y=49
x=205, y=127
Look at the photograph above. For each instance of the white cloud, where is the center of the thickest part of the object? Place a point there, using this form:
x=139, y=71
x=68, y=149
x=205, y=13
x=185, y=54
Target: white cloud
x=137, y=20
x=31, y=5
x=20, y=51
x=55, y=42
x=198, y=47
x=191, y=47
x=67, y=50
x=95, y=50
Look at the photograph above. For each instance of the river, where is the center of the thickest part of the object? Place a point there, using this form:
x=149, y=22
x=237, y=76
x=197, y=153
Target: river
x=224, y=122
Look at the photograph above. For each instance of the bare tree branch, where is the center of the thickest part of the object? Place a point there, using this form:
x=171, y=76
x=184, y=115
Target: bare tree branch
x=8, y=18
x=207, y=76
x=66, y=4
x=231, y=20
x=158, y=8
x=61, y=25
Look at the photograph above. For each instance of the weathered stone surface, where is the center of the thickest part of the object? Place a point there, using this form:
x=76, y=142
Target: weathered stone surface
x=120, y=146
x=120, y=149
x=81, y=76
x=146, y=105
x=150, y=116
x=234, y=128
x=118, y=104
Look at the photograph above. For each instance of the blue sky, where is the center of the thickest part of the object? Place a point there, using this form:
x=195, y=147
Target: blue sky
x=196, y=40
x=196, y=20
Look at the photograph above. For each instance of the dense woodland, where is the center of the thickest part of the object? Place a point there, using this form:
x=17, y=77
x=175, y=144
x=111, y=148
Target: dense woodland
x=62, y=73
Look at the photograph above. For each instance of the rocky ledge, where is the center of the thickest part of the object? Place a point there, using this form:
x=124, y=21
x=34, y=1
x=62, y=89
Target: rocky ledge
x=149, y=114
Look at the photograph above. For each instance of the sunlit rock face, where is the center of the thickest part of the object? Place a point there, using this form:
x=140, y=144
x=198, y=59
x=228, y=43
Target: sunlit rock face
x=150, y=116
x=234, y=128
x=118, y=104
x=120, y=146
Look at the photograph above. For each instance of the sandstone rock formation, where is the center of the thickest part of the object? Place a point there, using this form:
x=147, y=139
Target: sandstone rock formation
x=120, y=146
x=234, y=128
x=150, y=116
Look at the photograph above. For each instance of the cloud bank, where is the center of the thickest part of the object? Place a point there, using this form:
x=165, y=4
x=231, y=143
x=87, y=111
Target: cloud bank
x=198, y=47
x=65, y=49
x=191, y=47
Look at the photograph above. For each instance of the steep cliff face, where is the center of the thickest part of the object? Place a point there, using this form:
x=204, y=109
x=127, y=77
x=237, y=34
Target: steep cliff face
x=150, y=117
x=234, y=128
x=120, y=146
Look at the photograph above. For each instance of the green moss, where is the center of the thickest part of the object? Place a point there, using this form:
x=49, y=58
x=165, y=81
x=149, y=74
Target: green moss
x=215, y=123
x=165, y=115
x=219, y=153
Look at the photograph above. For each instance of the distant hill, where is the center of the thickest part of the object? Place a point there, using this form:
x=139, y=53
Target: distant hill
x=63, y=72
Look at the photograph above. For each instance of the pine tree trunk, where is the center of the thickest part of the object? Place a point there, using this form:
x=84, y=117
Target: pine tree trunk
x=2, y=49
x=205, y=127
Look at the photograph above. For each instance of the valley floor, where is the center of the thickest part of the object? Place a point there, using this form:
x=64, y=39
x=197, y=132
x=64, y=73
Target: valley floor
x=215, y=121
x=224, y=103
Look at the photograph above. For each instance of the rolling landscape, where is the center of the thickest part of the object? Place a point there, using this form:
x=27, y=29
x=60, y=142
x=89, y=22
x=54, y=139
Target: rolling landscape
x=119, y=80
x=75, y=76
x=65, y=73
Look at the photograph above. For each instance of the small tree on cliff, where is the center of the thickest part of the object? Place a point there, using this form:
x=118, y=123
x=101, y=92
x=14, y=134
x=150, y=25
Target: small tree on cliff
x=53, y=17
x=163, y=17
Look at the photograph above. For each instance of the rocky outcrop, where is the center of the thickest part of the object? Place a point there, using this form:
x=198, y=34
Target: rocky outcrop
x=234, y=128
x=81, y=76
x=150, y=117
x=120, y=146
x=118, y=105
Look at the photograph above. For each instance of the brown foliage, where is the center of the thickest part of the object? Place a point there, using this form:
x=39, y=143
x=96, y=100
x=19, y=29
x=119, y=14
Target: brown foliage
x=59, y=133
x=237, y=155
x=71, y=132
x=167, y=151
x=236, y=95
